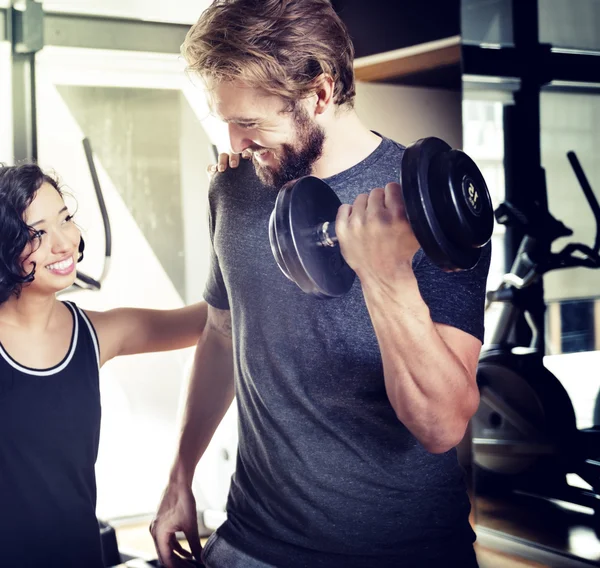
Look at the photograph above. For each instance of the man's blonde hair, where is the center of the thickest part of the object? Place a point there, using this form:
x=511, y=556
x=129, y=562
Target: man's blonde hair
x=280, y=46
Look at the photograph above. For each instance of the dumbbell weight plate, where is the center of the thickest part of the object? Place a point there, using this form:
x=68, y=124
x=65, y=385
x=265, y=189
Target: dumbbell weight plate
x=447, y=203
x=301, y=207
x=275, y=247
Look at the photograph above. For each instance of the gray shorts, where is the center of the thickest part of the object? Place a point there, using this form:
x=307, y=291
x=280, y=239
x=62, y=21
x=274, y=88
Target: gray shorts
x=218, y=553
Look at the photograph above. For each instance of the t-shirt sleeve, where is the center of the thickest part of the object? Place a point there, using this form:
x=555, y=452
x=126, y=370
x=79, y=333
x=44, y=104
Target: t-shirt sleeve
x=215, y=291
x=455, y=298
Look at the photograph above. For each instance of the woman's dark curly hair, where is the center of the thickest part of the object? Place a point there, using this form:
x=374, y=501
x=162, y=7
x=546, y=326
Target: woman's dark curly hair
x=18, y=187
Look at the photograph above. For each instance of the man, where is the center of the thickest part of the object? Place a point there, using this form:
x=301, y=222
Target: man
x=349, y=409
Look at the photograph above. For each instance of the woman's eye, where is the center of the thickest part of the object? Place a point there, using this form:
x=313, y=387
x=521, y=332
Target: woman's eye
x=68, y=219
x=37, y=234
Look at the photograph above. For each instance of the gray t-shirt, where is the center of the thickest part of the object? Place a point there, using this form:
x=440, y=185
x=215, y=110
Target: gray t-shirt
x=326, y=474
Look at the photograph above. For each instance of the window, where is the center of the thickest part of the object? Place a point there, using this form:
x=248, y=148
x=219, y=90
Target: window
x=483, y=137
x=150, y=134
x=487, y=22
x=571, y=24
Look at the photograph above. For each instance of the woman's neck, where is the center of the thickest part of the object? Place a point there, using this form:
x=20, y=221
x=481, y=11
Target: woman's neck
x=29, y=310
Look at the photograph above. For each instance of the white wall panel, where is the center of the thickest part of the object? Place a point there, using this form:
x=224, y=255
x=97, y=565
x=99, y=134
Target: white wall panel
x=176, y=11
x=6, y=126
x=406, y=114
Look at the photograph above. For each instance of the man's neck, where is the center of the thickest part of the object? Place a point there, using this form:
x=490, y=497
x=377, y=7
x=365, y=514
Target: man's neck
x=347, y=143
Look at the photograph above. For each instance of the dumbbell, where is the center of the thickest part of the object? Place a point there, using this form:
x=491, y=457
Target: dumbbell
x=447, y=205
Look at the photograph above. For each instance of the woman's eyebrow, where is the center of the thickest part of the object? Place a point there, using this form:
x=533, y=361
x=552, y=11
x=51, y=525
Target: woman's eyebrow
x=44, y=220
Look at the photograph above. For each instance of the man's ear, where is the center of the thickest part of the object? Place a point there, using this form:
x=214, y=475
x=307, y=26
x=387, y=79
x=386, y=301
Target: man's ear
x=324, y=89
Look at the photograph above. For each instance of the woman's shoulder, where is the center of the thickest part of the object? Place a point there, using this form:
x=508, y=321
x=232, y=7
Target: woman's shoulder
x=99, y=319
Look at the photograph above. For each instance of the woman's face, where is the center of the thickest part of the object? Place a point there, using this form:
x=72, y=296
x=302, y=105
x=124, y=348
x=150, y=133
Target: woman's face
x=53, y=250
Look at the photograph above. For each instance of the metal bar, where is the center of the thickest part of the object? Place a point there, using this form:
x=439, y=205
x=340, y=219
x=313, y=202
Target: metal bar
x=487, y=62
x=575, y=67
x=24, y=121
x=573, y=87
x=524, y=176
x=525, y=24
x=4, y=35
x=26, y=29
x=69, y=30
x=509, y=62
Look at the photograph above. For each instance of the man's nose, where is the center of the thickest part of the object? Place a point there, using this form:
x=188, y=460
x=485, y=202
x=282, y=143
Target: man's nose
x=239, y=142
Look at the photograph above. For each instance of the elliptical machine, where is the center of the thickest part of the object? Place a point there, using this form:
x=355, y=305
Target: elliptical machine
x=525, y=437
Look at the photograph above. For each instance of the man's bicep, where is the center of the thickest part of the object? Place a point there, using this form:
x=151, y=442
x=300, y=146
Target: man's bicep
x=456, y=299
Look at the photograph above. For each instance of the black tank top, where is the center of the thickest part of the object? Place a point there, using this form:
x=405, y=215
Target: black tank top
x=49, y=434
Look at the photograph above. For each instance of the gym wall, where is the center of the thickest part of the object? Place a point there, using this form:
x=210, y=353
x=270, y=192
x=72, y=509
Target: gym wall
x=406, y=114
x=397, y=25
x=181, y=11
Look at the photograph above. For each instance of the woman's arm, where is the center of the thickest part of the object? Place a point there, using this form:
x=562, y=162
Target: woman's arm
x=127, y=331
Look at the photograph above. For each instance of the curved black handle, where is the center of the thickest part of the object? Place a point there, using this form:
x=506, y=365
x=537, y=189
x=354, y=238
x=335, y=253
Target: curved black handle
x=83, y=280
x=86, y=282
x=539, y=223
x=99, y=196
x=589, y=194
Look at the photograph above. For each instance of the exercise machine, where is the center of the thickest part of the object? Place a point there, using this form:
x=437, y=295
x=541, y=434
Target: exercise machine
x=525, y=437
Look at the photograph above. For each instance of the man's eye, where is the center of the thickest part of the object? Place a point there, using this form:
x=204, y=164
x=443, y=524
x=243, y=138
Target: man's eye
x=248, y=126
x=68, y=219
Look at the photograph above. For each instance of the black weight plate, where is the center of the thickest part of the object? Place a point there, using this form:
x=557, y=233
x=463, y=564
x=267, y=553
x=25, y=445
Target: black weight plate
x=301, y=207
x=463, y=204
x=420, y=193
x=281, y=233
x=275, y=246
x=419, y=208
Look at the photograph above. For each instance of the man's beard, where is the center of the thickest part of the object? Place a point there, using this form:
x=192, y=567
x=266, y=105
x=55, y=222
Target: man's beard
x=295, y=161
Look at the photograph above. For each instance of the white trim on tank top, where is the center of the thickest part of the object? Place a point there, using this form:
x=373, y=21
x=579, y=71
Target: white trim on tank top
x=92, y=333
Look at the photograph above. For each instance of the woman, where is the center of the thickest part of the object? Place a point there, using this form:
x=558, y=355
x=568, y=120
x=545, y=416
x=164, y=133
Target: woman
x=50, y=355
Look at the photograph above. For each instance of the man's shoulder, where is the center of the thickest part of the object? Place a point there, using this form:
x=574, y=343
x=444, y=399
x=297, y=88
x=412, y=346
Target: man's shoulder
x=390, y=144
x=233, y=176
x=236, y=183
x=388, y=153
x=397, y=146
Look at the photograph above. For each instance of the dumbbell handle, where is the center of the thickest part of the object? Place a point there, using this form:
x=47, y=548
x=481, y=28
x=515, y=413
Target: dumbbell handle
x=326, y=236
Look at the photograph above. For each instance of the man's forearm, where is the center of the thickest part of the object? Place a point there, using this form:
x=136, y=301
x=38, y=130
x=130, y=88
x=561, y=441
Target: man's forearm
x=210, y=393
x=430, y=389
